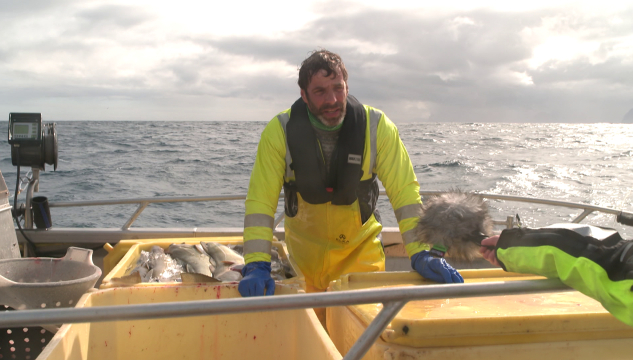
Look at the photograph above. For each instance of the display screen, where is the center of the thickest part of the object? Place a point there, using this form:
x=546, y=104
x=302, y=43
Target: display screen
x=25, y=131
x=21, y=129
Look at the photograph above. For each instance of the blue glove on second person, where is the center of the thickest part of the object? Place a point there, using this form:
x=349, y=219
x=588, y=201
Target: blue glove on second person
x=257, y=280
x=435, y=269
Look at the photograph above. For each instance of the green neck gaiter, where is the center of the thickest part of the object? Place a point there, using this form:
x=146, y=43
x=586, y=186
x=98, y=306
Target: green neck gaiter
x=319, y=125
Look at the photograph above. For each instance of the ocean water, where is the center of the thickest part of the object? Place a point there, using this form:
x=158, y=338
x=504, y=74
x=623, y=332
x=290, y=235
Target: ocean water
x=584, y=163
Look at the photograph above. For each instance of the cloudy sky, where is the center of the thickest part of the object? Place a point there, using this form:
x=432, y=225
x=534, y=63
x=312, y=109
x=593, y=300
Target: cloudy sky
x=472, y=61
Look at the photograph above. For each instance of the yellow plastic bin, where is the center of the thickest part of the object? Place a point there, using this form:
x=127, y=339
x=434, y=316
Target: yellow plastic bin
x=555, y=325
x=278, y=335
x=122, y=258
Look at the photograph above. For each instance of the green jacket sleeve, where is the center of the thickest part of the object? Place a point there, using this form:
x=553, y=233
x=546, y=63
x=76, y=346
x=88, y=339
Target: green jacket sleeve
x=263, y=193
x=395, y=171
x=602, y=269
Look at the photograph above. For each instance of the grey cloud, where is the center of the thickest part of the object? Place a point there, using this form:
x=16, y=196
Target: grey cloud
x=423, y=45
x=106, y=18
x=80, y=32
x=76, y=91
x=453, y=62
x=120, y=16
x=206, y=73
x=612, y=71
x=435, y=43
x=291, y=48
x=11, y=9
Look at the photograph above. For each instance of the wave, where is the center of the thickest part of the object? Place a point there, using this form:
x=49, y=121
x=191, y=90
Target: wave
x=447, y=163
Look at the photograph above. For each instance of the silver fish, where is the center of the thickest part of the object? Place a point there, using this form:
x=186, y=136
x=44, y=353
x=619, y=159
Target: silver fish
x=193, y=261
x=224, y=258
x=142, y=267
x=200, y=248
x=157, y=260
x=276, y=269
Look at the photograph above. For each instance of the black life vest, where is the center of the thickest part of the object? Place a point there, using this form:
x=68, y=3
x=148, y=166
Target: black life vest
x=307, y=159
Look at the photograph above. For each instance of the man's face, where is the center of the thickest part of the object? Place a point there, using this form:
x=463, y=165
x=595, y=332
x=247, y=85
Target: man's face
x=326, y=97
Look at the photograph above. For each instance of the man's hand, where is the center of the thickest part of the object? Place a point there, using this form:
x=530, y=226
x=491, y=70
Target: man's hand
x=488, y=253
x=257, y=280
x=435, y=269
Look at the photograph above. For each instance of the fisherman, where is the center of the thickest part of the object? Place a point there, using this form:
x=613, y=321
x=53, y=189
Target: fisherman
x=328, y=152
x=595, y=261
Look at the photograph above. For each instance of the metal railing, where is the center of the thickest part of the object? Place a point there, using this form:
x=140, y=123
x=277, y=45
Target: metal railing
x=112, y=235
x=143, y=203
x=393, y=300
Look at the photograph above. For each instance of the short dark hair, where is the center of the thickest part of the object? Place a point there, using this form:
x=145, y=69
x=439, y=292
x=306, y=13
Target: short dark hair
x=317, y=61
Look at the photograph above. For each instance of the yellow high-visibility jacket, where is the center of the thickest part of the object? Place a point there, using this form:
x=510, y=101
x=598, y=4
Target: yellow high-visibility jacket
x=597, y=262
x=326, y=240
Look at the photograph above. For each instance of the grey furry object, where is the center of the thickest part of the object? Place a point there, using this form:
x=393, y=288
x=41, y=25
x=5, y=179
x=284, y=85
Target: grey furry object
x=456, y=220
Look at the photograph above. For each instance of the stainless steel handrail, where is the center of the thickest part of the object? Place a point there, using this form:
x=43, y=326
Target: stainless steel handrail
x=144, y=202
x=393, y=299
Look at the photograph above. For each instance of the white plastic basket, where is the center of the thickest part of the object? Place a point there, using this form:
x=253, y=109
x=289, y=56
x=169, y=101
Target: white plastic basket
x=41, y=283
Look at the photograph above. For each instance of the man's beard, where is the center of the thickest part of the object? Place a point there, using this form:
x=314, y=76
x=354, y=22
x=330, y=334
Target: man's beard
x=319, y=112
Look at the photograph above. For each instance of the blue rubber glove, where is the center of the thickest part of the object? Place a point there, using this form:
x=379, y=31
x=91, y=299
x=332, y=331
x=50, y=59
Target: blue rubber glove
x=256, y=280
x=435, y=269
